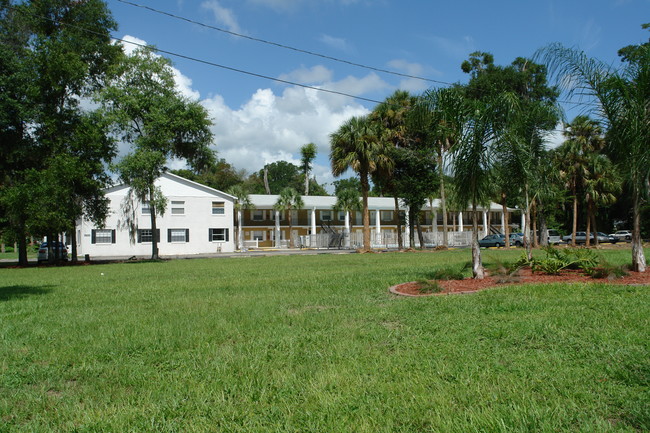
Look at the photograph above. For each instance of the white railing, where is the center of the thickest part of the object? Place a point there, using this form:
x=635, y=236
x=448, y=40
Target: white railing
x=250, y=244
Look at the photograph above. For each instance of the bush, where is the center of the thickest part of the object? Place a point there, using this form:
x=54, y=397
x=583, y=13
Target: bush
x=427, y=287
x=557, y=260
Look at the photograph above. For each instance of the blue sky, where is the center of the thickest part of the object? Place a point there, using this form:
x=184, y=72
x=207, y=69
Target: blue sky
x=259, y=121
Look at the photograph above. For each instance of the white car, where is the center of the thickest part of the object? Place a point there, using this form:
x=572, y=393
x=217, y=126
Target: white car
x=623, y=235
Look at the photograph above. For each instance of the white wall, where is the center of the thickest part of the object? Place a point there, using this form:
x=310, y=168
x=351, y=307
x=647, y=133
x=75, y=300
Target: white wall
x=197, y=217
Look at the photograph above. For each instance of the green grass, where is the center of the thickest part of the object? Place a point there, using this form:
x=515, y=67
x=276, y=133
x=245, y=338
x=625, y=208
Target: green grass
x=316, y=344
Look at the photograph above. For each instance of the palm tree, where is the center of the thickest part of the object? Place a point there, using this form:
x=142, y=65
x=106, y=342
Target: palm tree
x=441, y=113
x=288, y=200
x=622, y=102
x=584, y=140
x=472, y=166
x=307, y=155
x=601, y=187
x=242, y=201
x=357, y=145
x=347, y=200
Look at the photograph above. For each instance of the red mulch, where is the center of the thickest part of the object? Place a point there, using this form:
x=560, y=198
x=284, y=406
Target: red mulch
x=526, y=276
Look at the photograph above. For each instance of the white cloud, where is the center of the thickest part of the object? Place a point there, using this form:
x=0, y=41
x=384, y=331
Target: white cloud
x=183, y=82
x=222, y=15
x=337, y=43
x=413, y=85
x=271, y=127
x=556, y=137
x=315, y=74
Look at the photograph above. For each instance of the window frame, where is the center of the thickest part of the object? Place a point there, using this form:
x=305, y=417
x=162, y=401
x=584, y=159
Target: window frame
x=174, y=232
x=214, y=233
x=175, y=210
x=222, y=208
x=94, y=237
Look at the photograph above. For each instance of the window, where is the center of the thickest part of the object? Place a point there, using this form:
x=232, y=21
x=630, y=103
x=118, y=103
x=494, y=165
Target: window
x=218, y=235
x=218, y=208
x=326, y=215
x=146, y=209
x=178, y=235
x=258, y=215
x=102, y=236
x=145, y=235
x=178, y=208
x=341, y=215
x=258, y=235
x=387, y=215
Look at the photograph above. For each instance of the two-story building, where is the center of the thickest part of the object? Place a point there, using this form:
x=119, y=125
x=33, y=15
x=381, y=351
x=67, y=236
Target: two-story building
x=198, y=220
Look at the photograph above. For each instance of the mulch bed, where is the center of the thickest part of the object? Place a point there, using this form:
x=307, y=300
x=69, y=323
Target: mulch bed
x=526, y=276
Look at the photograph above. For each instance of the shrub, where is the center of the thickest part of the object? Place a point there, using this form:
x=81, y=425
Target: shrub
x=427, y=287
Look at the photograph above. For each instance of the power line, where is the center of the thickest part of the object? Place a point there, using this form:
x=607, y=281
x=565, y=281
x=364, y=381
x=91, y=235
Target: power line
x=217, y=65
x=287, y=47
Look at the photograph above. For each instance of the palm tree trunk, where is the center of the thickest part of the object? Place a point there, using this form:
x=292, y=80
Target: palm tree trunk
x=443, y=201
x=400, y=241
x=527, y=244
x=291, y=227
x=534, y=223
x=592, y=205
x=505, y=219
x=575, y=218
x=477, y=266
x=365, y=187
x=638, y=257
x=543, y=228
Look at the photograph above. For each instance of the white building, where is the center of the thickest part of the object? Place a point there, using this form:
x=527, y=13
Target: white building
x=198, y=220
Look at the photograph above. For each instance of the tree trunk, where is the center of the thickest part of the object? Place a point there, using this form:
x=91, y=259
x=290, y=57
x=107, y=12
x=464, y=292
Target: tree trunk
x=154, y=238
x=575, y=219
x=400, y=240
x=291, y=228
x=527, y=243
x=443, y=201
x=533, y=222
x=306, y=183
x=477, y=266
x=266, y=181
x=543, y=228
x=593, y=221
x=411, y=228
x=22, y=247
x=505, y=217
x=73, y=244
x=638, y=256
x=420, y=235
x=365, y=187
x=589, y=229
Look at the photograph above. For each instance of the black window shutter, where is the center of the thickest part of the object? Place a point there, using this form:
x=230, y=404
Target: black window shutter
x=226, y=234
x=169, y=235
x=139, y=236
x=113, y=236
x=187, y=235
x=93, y=237
x=210, y=235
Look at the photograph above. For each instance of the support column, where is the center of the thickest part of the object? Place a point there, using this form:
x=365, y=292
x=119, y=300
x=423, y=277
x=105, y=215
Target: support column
x=347, y=229
x=460, y=221
x=485, y=227
x=377, y=226
x=277, y=229
x=313, y=221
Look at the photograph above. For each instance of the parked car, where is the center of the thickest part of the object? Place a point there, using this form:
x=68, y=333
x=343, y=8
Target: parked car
x=43, y=251
x=623, y=235
x=602, y=237
x=497, y=240
x=581, y=238
x=517, y=239
x=554, y=237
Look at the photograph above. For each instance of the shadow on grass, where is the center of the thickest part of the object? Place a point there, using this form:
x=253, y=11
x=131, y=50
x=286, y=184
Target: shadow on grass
x=16, y=292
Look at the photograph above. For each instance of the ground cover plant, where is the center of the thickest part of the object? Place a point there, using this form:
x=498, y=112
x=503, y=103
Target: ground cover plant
x=316, y=343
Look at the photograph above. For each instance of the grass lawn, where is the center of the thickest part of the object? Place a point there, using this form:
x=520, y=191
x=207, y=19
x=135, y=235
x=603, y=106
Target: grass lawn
x=316, y=344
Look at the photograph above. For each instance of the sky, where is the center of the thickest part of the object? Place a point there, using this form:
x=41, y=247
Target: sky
x=259, y=121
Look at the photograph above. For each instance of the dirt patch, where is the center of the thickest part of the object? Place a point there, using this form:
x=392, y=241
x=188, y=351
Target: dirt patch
x=525, y=276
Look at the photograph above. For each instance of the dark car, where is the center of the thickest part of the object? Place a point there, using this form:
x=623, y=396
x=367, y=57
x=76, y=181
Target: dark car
x=60, y=246
x=493, y=241
x=603, y=237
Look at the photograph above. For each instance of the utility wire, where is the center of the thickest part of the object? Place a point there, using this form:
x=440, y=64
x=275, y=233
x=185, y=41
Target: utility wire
x=209, y=63
x=276, y=44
